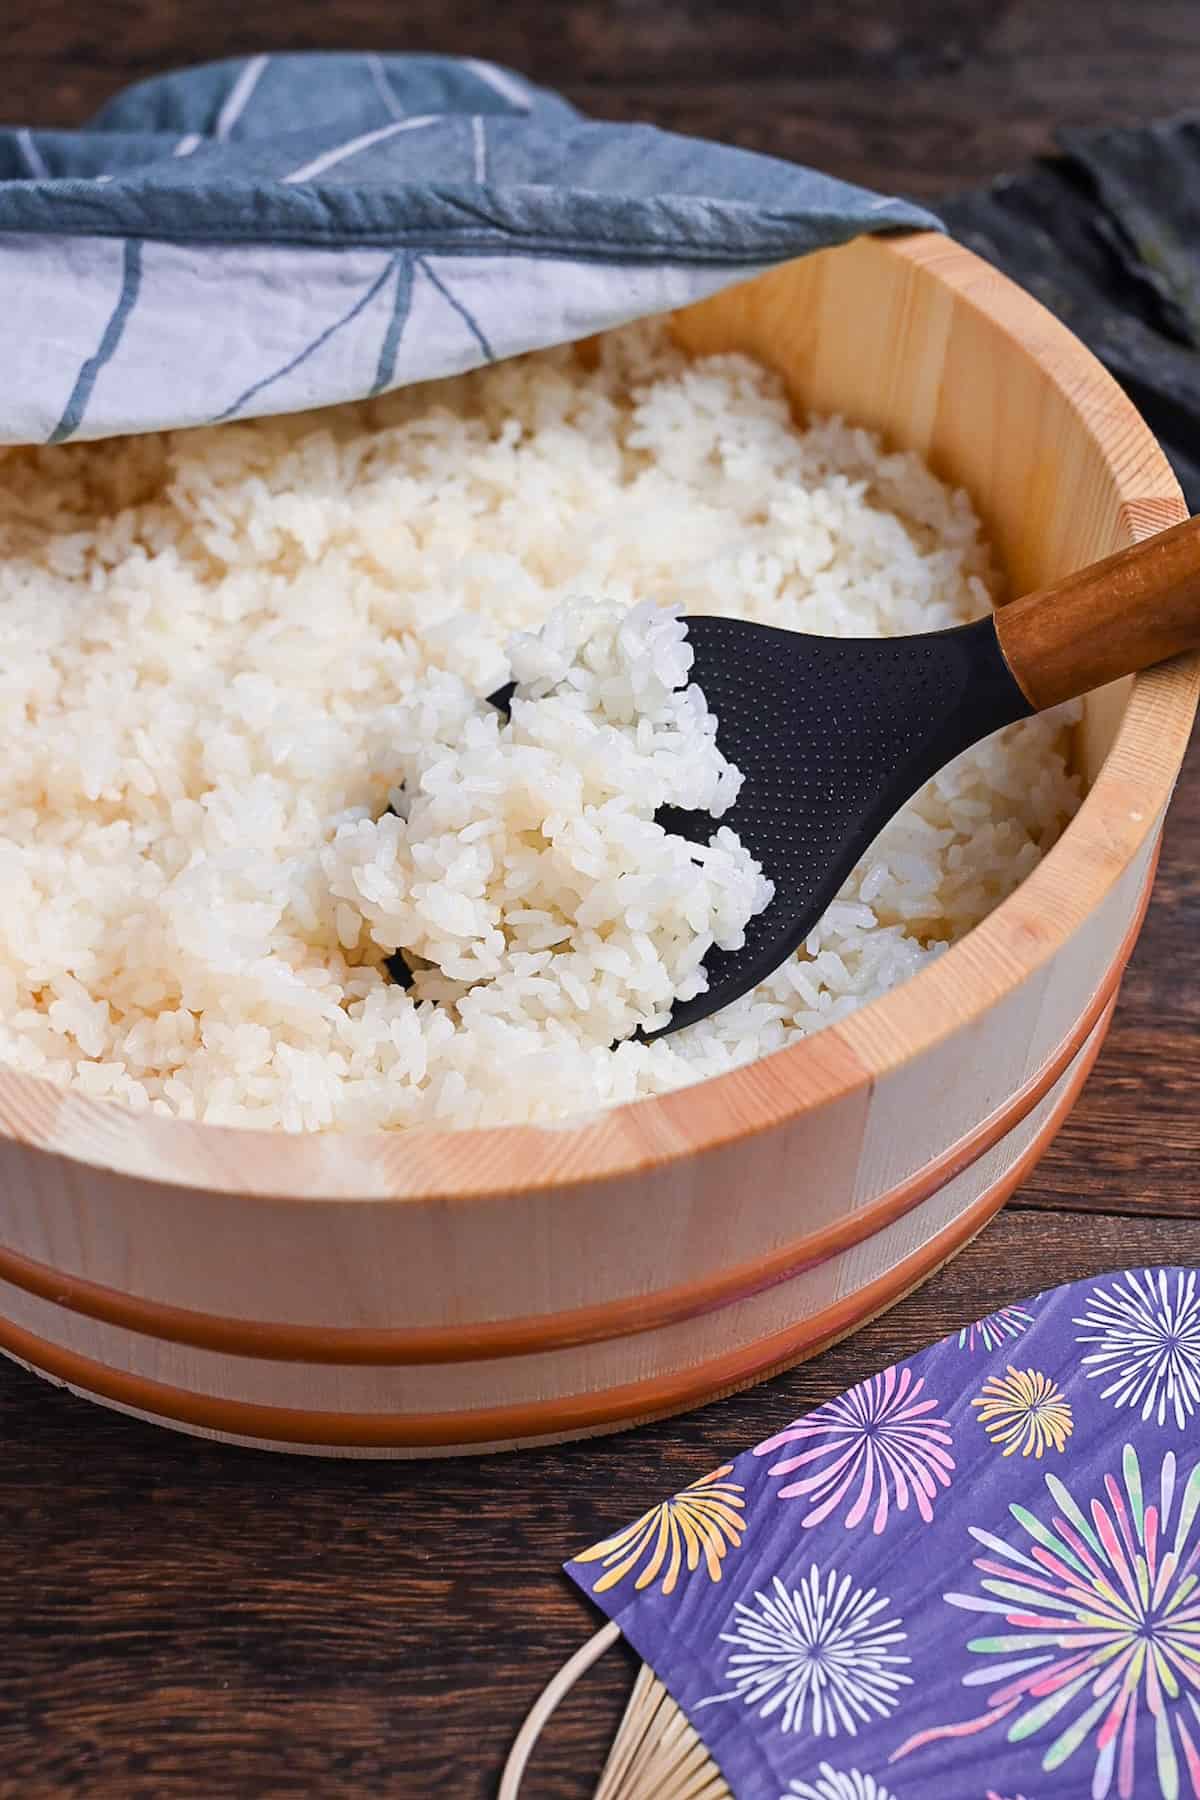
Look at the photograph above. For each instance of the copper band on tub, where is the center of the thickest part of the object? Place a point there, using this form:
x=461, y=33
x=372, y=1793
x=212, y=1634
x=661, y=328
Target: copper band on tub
x=574, y=1413
x=540, y=1332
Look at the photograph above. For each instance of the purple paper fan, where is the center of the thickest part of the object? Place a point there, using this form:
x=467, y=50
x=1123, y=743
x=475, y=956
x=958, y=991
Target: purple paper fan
x=974, y=1575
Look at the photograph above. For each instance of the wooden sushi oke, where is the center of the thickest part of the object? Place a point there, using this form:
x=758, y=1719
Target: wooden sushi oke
x=422, y=1292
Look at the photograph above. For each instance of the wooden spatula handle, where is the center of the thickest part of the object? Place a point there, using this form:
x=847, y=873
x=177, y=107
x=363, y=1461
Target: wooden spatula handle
x=1136, y=608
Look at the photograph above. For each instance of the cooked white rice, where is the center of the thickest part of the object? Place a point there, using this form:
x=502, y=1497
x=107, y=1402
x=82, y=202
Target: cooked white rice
x=225, y=650
x=522, y=872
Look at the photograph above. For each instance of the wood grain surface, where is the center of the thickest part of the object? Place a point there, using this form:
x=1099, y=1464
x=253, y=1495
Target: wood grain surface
x=177, y=1620
x=1139, y=607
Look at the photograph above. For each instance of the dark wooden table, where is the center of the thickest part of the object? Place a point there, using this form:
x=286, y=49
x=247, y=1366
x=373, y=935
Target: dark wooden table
x=177, y=1619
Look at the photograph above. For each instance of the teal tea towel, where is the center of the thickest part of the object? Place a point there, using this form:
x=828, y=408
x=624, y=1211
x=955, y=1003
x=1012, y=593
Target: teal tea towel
x=280, y=232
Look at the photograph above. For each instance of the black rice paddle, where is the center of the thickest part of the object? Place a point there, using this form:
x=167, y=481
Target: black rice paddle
x=834, y=735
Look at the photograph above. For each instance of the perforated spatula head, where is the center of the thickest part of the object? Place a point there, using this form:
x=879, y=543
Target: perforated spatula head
x=832, y=736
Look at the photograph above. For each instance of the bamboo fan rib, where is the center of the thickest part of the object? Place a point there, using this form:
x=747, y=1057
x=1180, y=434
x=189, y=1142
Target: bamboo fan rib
x=655, y=1755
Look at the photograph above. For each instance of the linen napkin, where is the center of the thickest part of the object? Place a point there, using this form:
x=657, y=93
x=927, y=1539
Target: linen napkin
x=275, y=233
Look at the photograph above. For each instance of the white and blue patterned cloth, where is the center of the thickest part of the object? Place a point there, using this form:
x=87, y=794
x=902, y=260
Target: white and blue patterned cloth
x=280, y=232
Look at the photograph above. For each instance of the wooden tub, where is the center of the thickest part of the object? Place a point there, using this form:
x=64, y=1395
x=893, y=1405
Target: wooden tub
x=422, y=1293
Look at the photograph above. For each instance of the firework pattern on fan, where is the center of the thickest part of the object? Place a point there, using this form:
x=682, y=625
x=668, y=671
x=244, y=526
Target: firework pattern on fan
x=838, y=1784
x=1144, y=1333
x=880, y=1446
x=1102, y=1608
x=995, y=1328
x=701, y=1524
x=1024, y=1410
x=823, y=1656
x=1032, y=1630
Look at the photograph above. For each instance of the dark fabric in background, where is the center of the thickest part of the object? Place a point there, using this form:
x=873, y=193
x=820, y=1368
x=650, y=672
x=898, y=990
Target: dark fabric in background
x=1108, y=237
